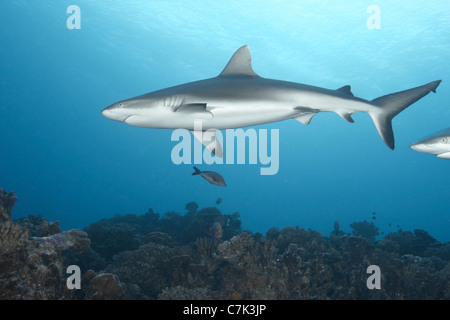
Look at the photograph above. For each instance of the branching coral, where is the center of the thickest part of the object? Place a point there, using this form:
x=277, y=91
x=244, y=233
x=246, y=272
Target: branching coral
x=7, y=201
x=365, y=229
x=207, y=248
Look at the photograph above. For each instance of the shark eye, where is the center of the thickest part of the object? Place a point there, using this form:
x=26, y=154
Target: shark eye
x=444, y=140
x=120, y=105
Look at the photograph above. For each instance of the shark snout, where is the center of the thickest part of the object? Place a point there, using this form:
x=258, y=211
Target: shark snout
x=107, y=113
x=417, y=146
x=115, y=112
x=422, y=146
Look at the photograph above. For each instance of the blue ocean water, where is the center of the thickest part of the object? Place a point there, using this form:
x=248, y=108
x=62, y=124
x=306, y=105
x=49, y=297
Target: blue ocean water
x=66, y=162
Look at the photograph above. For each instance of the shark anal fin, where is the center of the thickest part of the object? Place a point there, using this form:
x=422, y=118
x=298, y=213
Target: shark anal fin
x=346, y=90
x=305, y=114
x=240, y=64
x=346, y=116
x=209, y=140
x=197, y=110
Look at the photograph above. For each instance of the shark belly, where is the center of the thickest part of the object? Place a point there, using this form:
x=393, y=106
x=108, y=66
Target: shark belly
x=237, y=116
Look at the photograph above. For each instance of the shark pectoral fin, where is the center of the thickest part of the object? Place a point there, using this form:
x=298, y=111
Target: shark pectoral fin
x=209, y=140
x=346, y=90
x=196, y=110
x=210, y=108
x=445, y=155
x=305, y=114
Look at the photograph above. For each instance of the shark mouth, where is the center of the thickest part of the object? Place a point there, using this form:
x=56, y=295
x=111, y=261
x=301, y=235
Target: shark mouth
x=136, y=120
x=125, y=120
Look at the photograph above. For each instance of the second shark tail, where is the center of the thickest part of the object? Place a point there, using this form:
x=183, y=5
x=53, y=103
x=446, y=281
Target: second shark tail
x=392, y=104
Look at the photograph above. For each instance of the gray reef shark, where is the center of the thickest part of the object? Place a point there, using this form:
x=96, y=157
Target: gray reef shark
x=238, y=97
x=437, y=143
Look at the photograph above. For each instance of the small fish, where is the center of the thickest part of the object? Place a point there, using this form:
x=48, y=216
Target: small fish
x=211, y=177
x=216, y=230
x=219, y=200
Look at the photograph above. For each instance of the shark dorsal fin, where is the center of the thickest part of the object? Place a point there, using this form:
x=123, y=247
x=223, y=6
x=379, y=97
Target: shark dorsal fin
x=240, y=64
x=347, y=90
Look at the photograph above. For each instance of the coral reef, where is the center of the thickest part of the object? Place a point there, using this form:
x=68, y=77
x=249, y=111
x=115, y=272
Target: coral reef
x=33, y=267
x=154, y=267
x=407, y=242
x=38, y=226
x=187, y=256
x=73, y=240
x=365, y=229
x=252, y=269
x=128, y=232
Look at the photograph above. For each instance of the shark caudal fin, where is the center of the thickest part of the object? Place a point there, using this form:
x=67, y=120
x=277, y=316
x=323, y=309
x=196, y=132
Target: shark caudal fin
x=196, y=171
x=392, y=104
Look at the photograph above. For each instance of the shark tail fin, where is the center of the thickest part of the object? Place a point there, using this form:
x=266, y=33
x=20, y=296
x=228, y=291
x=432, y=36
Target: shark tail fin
x=392, y=104
x=196, y=171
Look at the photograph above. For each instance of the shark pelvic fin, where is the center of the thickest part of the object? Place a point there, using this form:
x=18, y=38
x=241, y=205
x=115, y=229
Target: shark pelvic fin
x=197, y=110
x=346, y=90
x=240, y=64
x=305, y=114
x=209, y=140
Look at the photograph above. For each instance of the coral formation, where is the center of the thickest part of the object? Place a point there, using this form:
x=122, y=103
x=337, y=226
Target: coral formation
x=38, y=226
x=7, y=201
x=365, y=229
x=154, y=267
x=124, y=233
x=181, y=256
x=33, y=267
